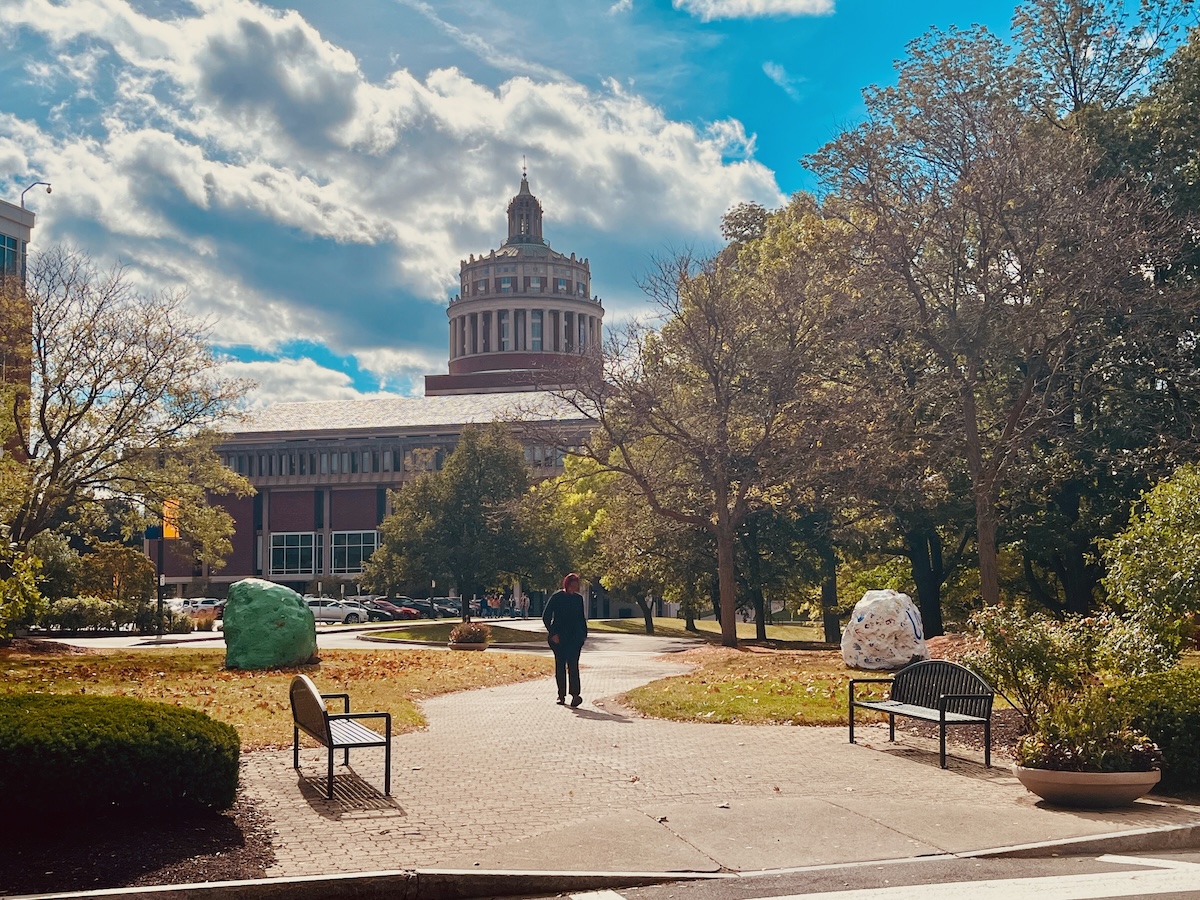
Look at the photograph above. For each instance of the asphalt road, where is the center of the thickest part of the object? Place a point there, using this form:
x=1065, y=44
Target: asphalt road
x=1161, y=875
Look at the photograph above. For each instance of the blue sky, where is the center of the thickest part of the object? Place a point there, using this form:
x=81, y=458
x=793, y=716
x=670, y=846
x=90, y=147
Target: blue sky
x=313, y=172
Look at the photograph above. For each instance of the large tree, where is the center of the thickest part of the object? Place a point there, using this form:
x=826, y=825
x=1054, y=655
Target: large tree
x=710, y=414
x=460, y=525
x=123, y=396
x=986, y=241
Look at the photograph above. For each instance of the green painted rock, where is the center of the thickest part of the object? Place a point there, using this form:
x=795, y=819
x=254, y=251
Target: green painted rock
x=266, y=626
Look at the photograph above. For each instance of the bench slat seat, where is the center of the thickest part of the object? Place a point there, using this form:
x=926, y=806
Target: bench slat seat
x=919, y=712
x=336, y=731
x=932, y=690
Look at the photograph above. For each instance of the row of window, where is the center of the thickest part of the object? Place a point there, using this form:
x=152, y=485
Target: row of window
x=472, y=333
x=345, y=462
x=302, y=552
x=534, y=284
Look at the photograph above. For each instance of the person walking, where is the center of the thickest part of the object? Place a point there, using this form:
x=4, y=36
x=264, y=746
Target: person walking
x=566, y=627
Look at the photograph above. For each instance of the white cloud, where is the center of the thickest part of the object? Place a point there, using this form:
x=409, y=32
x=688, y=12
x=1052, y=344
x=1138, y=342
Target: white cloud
x=288, y=380
x=234, y=150
x=621, y=6
x=779, y=75
x=711, y=10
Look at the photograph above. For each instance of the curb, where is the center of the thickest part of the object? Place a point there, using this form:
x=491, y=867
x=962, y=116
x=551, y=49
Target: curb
x=417, y=884
x=1166, y=837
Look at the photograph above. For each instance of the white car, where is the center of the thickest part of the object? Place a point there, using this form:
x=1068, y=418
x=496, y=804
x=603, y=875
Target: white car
x=336, y=611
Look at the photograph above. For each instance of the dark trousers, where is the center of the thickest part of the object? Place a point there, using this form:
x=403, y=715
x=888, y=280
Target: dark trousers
x=566, y=666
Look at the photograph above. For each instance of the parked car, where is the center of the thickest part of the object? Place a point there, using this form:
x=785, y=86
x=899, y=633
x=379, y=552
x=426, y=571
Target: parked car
x=325, y=610
x=200, y=605
x=364, y=611
x=447, y=607
x=424, y=607
x=381, y=610
x=392, y=610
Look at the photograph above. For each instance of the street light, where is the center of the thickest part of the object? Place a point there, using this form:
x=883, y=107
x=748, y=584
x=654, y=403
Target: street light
x=30, y=188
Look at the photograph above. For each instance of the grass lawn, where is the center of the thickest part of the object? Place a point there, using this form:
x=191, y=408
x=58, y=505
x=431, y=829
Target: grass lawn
x=438, y=632
x=256, y=702
x=751, y=686
x=708, y=629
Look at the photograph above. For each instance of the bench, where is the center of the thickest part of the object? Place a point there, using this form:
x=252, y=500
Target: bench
x=933, y=690
x=336, y=731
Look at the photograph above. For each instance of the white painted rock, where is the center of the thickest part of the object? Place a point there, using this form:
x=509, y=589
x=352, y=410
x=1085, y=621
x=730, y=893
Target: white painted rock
x=884, y=632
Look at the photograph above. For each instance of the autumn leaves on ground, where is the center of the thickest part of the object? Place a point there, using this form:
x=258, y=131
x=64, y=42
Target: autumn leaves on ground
x=749, y=686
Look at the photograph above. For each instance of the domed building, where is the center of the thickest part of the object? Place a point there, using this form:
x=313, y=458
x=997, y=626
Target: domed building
x=524, y=314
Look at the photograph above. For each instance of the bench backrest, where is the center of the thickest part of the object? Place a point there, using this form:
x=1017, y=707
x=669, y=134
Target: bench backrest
x=308, y=709
x=923, y=684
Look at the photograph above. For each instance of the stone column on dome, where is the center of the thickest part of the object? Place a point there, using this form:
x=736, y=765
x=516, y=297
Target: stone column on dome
x=494, y=328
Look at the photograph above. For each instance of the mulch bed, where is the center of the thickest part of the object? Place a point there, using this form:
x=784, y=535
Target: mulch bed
x=129, y=852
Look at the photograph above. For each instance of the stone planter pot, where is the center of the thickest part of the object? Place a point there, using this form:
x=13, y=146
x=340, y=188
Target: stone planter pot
x=1090, y=790
x=477, y=645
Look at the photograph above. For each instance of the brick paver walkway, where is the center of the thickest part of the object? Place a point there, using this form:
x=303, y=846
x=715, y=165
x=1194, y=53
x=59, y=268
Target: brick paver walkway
x=505, y=764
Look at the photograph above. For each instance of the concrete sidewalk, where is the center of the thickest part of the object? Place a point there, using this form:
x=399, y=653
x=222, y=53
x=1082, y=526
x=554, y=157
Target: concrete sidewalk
x=504, y=779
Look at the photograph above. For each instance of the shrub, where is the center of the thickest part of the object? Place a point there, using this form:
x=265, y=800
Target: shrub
x=1166, y=706
x=1038, y=662
x=62, y=755
x=1029, y=658
x=470, y=633
x=1090, y=734
x=76, y=614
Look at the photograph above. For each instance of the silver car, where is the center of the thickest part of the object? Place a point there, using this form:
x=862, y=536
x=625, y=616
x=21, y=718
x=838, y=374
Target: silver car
x=335, y=611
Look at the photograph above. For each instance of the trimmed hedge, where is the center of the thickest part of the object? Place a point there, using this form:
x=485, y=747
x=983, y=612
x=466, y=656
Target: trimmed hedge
x=64, y=754
x=1166, y=706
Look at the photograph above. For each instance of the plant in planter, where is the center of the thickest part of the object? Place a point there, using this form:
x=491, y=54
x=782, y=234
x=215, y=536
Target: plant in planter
x=1084, y=753
x=470, y=636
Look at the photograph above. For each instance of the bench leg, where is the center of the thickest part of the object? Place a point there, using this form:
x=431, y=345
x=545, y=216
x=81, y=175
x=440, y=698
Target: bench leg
x=329, y=783
x=387, y=761
x=942, y=735
x=987, y=744
x=892, y=727
x=852, y=720
x=295, y=747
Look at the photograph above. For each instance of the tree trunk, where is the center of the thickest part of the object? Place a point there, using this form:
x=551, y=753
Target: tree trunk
x=925, y=556
x=823, y=542
x=647, y=608
x=726, y=540
x=985, y=508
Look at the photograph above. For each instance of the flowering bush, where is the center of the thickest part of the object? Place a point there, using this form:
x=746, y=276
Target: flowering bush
x=470, y=633
x=1089, y=734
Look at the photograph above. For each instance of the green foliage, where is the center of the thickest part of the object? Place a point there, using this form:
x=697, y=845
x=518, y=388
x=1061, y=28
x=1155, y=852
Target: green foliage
x=63, y=755
x=60, y=564
x=117, y=572
x=461, y=525
x=1039, y=662
x=470, y=633
x=21, y=603
x=1153, y=566
x=77, y=614
x=1089, y=734
x=1166, y=706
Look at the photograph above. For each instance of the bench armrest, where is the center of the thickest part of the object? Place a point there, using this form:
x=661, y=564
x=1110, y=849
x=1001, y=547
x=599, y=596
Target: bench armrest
x=386, y=716
x=345, y=698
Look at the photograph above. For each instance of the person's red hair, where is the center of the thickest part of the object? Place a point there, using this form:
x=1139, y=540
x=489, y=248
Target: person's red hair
x=574, y=576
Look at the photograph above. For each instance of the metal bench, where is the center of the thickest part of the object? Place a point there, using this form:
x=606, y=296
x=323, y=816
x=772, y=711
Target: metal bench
x=933, y=690
x=336, y=731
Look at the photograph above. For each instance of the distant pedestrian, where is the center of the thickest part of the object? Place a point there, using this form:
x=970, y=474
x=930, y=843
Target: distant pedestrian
x=566, y=627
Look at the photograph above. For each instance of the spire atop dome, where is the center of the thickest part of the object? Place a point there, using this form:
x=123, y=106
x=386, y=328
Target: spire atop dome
x=524, y=214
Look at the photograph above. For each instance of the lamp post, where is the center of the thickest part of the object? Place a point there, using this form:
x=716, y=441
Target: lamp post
x=30, y=188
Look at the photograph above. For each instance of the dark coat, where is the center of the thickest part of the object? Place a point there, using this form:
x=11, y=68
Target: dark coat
x=565, y=617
